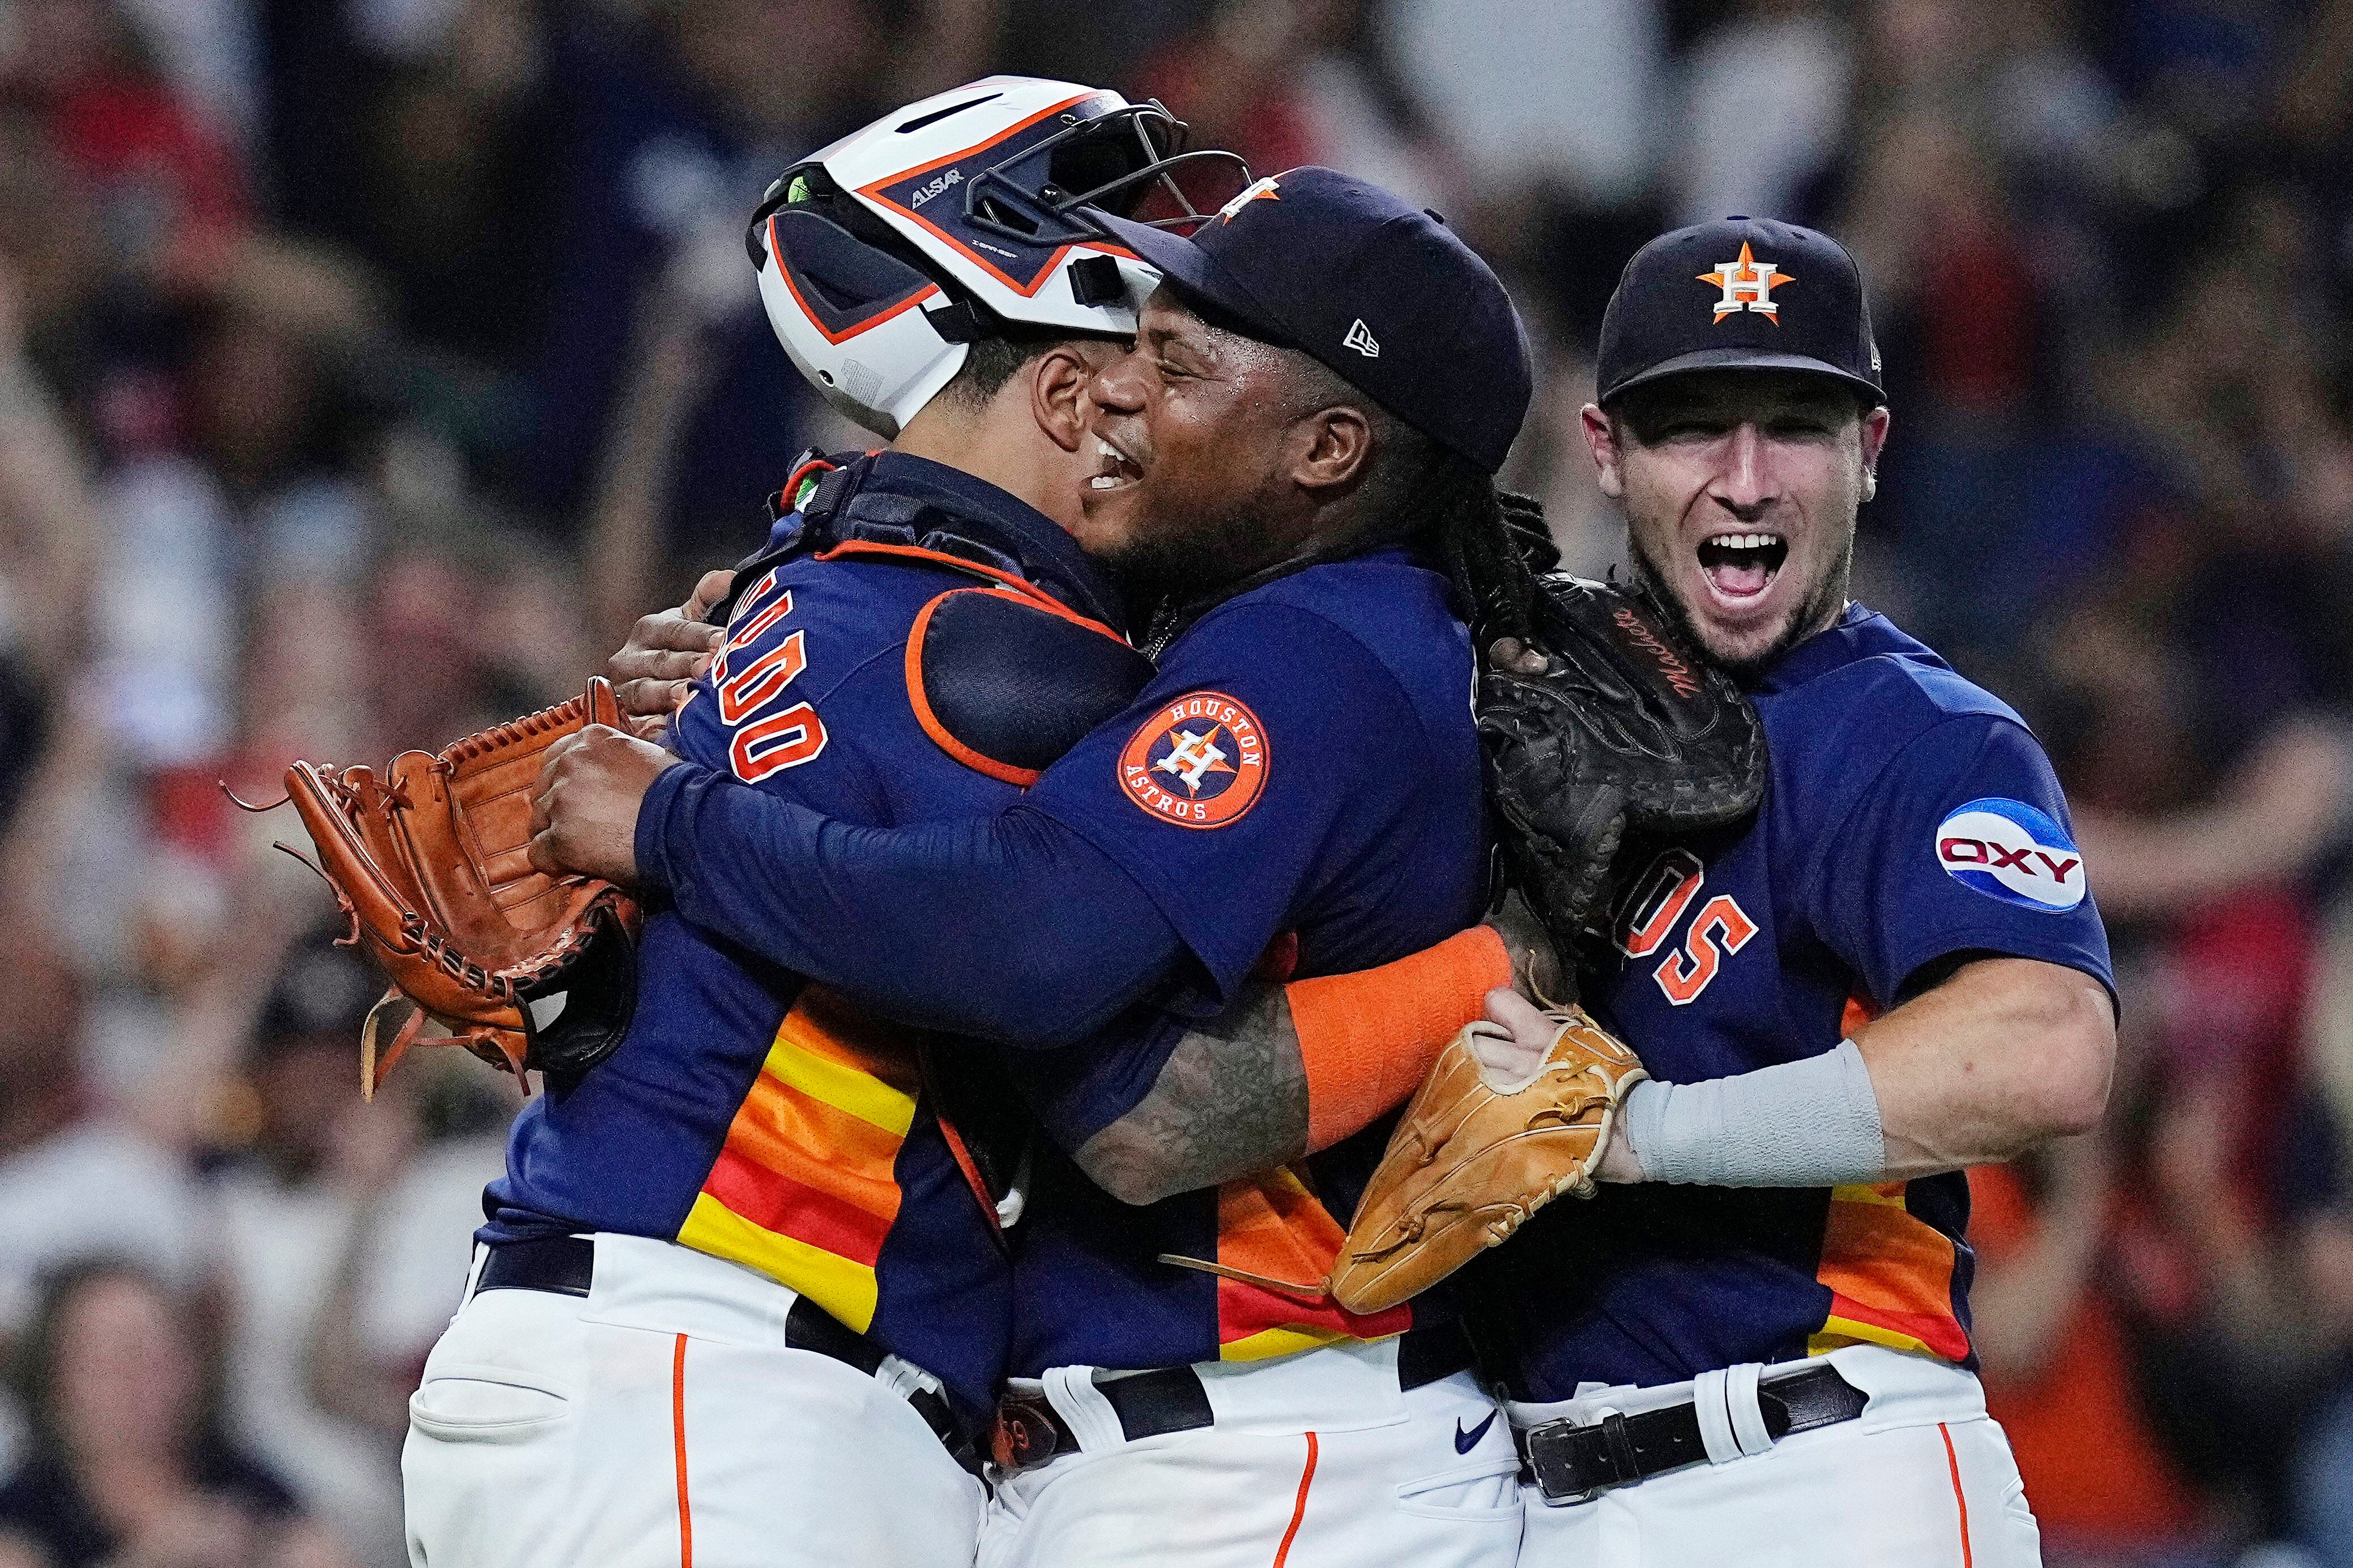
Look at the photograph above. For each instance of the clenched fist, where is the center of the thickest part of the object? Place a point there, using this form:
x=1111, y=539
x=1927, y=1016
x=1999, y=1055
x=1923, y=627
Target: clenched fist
x=584, y=816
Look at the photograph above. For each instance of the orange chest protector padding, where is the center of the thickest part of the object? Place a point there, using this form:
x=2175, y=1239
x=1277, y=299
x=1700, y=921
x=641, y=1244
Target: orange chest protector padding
x=1005, y=683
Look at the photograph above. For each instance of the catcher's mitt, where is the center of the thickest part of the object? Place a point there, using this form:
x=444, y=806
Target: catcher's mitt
x=1623, y=736
x=1471, y=1161
x=430, y=861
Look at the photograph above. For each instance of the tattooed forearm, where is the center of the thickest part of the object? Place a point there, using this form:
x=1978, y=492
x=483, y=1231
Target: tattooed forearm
x=1230, y=1101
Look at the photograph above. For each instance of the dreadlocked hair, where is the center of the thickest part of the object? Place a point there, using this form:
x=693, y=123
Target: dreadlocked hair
x=1495, y=544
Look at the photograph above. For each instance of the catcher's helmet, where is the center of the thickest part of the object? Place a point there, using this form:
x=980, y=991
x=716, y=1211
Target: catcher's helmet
x=881, y=256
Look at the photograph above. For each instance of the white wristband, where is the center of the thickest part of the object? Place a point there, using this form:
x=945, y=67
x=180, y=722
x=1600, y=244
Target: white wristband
x=1811, y=1124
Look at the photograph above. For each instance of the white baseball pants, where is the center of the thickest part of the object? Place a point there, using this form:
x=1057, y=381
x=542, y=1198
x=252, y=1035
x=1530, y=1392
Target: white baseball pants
x=1922, y=1478
x=663, y=1422
x=1316, y=1461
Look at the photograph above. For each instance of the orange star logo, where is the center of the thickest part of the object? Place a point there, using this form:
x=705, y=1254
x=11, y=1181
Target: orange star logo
x=1257, y=191
x=1747, y=285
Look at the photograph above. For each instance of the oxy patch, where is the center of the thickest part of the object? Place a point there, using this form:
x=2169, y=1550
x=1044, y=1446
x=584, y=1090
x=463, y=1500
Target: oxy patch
x=2009, y=850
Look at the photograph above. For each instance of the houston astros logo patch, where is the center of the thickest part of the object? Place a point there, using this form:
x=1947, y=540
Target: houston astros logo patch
x=2009, y=850
x=1747, y=285
x=1198, y=761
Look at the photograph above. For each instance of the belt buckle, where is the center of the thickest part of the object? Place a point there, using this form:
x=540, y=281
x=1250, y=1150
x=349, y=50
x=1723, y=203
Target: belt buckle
x=1025, y=1433
x=1551, y=1452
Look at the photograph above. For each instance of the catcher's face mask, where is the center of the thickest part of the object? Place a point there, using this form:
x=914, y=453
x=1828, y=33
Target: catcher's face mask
x=881, y=256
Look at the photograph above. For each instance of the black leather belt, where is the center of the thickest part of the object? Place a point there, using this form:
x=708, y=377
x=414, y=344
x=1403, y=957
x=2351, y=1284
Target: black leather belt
x=1567, y=1460
x=564, y=1265
x=1029, y=1431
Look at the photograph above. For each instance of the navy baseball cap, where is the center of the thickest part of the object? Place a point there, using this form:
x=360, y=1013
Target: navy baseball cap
x=1747, y=293
x=1380, y=291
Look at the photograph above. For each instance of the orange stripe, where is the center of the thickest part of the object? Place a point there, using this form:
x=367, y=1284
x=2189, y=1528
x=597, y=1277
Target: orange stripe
x=1954, y=1461
x=1022, y=585
x=1272, y=1226
x=783, y=1128
x=920, y=697
x=1887, y=1267
x=1299, y=1508
x=785, y=273
x=790, y=1207
x=678, y=1443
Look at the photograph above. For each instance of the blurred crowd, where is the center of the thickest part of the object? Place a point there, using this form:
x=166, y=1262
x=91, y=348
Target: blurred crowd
x=367, y=366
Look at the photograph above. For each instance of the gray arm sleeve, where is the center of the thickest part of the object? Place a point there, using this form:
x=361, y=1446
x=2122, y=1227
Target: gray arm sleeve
x=1811, y=1124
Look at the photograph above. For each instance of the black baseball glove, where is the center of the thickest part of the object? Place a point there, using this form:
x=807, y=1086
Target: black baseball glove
x=1623, y=738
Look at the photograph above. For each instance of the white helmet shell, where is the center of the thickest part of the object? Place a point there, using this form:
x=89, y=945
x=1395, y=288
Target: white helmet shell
x=881, y=256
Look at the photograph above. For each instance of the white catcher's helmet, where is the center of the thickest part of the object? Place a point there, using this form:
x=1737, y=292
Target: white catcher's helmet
x=882, y=256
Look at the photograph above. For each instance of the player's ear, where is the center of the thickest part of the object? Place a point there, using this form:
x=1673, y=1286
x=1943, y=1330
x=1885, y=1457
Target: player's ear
x=1874, y=442
x=1601, y=440
x=1333, y=445
x=1059, y=379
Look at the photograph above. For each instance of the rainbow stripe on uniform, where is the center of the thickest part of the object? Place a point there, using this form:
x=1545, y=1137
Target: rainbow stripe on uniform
x=1890, y=1274
x=804, y=1188
x=1273, y=1226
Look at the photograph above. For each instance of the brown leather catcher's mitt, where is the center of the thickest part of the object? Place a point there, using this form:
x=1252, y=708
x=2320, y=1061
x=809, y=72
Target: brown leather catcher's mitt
x=430, y=860
x=1469, y=1161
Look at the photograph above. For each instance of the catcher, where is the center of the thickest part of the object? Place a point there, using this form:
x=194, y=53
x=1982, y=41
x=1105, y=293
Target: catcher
x=1297, y=791
x=742, y=1280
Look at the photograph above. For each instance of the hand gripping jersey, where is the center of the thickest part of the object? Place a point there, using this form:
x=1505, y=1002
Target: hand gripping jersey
x=748, y=1114
x=1298, y=790
x=1910, y=819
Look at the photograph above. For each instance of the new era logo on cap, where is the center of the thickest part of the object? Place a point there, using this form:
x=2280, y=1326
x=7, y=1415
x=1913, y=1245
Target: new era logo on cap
x=1360, y=337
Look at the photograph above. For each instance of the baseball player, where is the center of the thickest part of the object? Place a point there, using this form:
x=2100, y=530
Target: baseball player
x=1756, y=1349
x=736, y=1290
x=1329, y=377
x=744, y=1284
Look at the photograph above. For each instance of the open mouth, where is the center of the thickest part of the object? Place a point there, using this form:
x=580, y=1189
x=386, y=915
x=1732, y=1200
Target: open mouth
x=1742, y=565
x=1114, y=467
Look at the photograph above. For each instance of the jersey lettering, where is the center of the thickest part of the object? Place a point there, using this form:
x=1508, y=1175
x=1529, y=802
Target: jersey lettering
x=1722, y=929
x=764, y=747
x=740, y=695
x=1655, y=903
x=781, y=741
x=758, y=618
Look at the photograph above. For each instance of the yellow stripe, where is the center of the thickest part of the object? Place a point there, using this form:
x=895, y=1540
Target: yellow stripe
x=1837, y=1331
x=1890, y=1193
x=862, y=1095
x=843, y=1287
x=1269, y=1342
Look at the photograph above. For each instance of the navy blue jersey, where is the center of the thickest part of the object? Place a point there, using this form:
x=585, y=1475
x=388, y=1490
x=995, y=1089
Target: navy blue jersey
x=747, y=1113
x=1303, y=771
x=1909, y=818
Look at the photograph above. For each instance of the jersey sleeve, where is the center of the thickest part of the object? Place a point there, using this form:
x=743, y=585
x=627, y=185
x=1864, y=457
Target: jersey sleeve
x=1272, y=751
x=1961, y=844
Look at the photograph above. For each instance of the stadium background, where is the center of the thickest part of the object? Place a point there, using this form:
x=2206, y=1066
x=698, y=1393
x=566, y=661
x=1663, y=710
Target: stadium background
x=366, y=365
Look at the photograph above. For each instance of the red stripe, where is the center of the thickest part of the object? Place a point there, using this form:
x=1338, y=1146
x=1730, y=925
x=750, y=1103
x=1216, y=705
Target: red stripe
x=1939, y=1332
x=678, y=1442
x=774, y=1201
x=1299, y=1508
x=1954, y=1461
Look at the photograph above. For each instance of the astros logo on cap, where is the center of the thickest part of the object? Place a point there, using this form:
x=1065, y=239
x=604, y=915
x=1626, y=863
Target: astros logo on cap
x=1198, y=761
x=1257, y=190
x=1747, y=285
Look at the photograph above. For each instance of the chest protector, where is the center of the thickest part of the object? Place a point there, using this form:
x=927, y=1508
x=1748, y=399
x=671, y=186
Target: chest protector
x=1005, y=675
